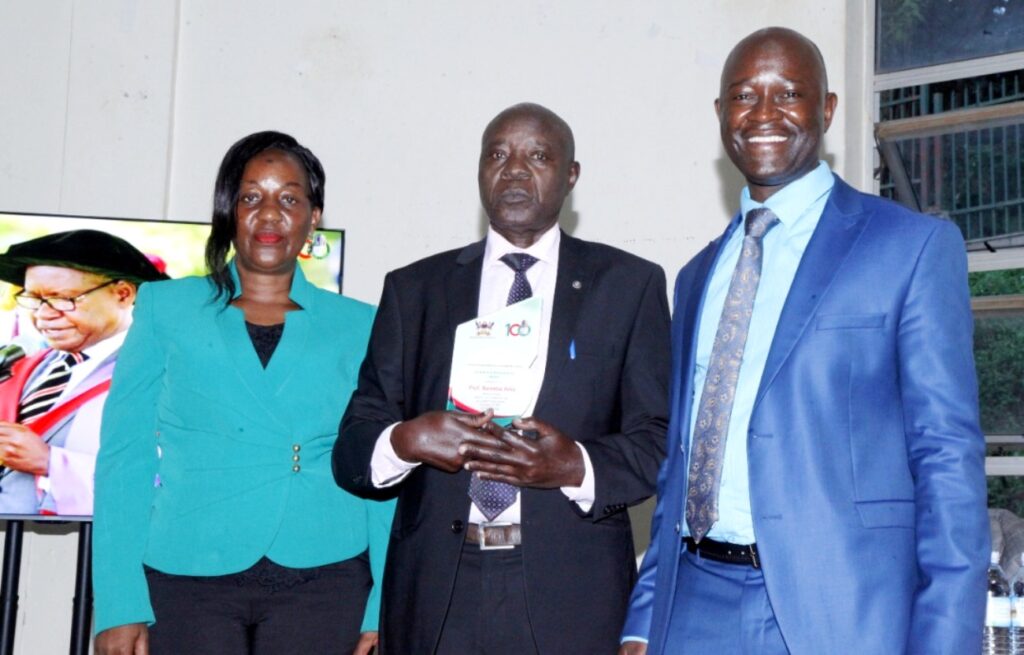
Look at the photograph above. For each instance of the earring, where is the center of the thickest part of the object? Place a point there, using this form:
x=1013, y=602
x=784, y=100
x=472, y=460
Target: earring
x=307, y=248
x=320, y=248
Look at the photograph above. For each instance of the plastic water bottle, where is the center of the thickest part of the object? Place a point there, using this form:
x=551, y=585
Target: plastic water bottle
x=1017, y=616
x=999, y=612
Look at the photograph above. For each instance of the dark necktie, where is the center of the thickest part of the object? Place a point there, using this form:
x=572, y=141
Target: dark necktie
x=492, y=497
x=45, y=395
x=715, y=409
x=519, y=262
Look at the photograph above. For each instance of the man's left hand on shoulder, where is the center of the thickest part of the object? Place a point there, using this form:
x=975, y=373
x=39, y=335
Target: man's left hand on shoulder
x=21, y=449
x=548, y=460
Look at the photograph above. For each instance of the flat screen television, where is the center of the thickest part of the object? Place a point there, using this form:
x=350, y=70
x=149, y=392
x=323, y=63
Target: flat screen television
x=178, y=249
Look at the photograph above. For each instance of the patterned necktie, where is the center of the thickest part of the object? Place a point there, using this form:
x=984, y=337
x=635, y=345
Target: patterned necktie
x=45, y=395
x=490, y=496
x=716, y=400
x=519, y=262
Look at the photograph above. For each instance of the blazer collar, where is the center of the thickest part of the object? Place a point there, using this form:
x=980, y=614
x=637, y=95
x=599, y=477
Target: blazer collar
x=684, y=326
x=701, y=276
x=266, y=384
x=463, y=286
x=842, y=222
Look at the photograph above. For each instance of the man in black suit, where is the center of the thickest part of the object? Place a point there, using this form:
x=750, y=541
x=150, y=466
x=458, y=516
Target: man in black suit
x=596, y=429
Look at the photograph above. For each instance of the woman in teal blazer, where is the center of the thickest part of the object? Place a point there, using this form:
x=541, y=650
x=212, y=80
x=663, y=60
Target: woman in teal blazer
x=218, y=525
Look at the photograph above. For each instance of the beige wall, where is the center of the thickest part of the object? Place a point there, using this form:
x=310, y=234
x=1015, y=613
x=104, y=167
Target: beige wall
x=124, y=108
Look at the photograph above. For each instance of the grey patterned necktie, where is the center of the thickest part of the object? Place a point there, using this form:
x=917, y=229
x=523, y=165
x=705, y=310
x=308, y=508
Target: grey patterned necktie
x=716, y=400
x=490, y=496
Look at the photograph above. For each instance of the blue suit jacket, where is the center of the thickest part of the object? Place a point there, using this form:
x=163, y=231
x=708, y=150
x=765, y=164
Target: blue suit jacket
x=195, y=473
x=866, y=461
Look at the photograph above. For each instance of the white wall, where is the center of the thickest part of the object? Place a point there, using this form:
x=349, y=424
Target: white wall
x=124, y=108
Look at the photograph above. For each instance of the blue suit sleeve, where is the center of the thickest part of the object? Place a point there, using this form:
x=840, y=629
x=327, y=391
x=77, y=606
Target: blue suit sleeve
x=946, y=447
x=125, y=468
x=641, y=604
x=641, y=601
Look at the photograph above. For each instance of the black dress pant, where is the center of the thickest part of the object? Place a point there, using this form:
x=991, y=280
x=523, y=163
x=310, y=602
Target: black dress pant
x=487, y=614
x=266, y=610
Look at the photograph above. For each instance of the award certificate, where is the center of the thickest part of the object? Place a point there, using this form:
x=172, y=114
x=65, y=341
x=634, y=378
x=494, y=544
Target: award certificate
x=492, y=359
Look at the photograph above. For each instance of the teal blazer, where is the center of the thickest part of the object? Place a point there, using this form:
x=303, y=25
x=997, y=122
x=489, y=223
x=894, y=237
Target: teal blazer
x=209, y=462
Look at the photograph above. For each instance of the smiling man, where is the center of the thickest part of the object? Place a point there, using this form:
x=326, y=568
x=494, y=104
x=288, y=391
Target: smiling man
x=505, y=544
x=825, y=488
x=78, y=291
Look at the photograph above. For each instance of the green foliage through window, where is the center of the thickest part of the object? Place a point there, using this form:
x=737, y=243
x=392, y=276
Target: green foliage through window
x=999, y=357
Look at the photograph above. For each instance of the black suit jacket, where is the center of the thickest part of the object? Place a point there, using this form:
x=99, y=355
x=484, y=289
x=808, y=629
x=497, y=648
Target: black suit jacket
x=612, y=397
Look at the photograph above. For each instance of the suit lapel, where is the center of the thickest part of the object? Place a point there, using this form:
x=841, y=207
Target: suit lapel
x=695, y=286
x=842, y=222
x=571, y=286
x=243, y=358
x=289, y=351
x=462, y=289
x=697, y=291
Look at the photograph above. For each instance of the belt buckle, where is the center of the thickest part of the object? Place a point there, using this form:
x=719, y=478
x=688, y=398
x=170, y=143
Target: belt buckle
x=753, y=556
x=482, y=532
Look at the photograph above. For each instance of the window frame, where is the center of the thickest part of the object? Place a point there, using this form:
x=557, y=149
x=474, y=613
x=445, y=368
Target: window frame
x=1006, y=252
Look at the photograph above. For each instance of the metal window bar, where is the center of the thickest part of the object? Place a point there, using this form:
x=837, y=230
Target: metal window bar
x=923, y=161
x=959, y=164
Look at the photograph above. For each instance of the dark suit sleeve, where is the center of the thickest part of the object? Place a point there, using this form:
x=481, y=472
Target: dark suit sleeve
x=939, y=393
x=626, y=463
x=377, y=401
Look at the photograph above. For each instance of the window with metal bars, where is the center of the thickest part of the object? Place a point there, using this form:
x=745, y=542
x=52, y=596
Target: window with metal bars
x=956, y=149
x=950, y=136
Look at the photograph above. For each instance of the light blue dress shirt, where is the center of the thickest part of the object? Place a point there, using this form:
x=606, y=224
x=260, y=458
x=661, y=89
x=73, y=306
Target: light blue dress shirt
x=799, y=206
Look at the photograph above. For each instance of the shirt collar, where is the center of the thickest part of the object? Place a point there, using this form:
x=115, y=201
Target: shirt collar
x=791, y=202
x=100, y=351
x=545, y=248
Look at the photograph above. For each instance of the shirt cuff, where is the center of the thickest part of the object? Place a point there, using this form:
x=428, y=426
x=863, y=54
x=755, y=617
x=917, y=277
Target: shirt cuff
x=632, y=638
x=386, y=467
x=583, y=495
x=43, y=481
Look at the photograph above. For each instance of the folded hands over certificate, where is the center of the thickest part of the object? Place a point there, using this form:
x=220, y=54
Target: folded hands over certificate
x=452, y=440
x=435, y=438
x=549, y=460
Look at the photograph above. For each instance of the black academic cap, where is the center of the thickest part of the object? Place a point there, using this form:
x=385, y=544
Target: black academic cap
x=91, y=251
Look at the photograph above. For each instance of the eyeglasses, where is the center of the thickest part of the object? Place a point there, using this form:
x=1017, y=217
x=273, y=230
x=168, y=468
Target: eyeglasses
x=55, y=302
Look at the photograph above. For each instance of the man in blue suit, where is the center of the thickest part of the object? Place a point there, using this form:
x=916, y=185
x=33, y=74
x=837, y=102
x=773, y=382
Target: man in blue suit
x=824, y=490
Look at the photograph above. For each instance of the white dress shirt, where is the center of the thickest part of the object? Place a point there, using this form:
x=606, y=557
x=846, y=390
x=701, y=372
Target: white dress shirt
x=496, y=277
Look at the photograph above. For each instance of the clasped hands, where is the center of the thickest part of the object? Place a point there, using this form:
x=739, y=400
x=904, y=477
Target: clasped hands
x=451, y=441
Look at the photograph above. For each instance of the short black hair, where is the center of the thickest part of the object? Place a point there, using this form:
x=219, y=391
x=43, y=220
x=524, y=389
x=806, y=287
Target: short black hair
x=225, y=197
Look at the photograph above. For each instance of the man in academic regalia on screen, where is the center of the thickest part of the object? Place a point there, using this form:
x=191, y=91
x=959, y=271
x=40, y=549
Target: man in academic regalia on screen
x=78, y=289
